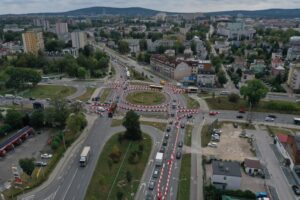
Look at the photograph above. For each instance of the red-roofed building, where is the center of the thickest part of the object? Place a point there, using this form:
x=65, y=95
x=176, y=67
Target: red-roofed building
x=282, y=138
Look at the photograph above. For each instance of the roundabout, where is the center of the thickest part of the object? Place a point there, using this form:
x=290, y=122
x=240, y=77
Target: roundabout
x=147, y=98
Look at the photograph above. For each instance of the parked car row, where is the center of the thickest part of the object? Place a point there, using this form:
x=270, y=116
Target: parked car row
x=215, y=137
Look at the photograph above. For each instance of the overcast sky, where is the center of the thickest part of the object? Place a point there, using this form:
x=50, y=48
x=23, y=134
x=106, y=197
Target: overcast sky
x=29, y=6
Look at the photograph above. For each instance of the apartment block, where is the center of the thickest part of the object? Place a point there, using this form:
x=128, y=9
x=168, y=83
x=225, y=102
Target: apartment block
x=33, y=42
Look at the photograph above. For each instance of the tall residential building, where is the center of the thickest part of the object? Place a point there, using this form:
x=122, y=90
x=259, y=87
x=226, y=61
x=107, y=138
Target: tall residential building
x=42, y=23
x=61, y=28
x=294, y=76
x=33, y=42
x=79, y=39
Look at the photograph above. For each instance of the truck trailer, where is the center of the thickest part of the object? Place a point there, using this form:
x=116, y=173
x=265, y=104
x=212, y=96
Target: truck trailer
x=112, y=109
x=84, y=156
x=159, y=159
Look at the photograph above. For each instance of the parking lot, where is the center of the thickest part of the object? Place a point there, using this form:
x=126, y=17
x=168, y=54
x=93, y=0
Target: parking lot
x=30, y=148
x=230, y=146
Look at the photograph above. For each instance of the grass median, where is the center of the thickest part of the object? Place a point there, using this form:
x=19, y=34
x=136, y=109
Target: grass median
x=112, y=180
x=159, y=125
x=49, y=91
x=105, y=94
x=191, y=103
x=284, y=107
x=87, y=95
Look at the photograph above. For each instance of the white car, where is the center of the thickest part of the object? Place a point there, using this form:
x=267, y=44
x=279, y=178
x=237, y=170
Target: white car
x=101, y=109
x=212, y=144
x=46, y=155
x=269, y=119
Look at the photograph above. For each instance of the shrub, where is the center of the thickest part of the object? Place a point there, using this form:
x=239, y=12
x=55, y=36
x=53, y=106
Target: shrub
x=134, y=158
x=115, y=154
x=4, y=129
x=234, y=98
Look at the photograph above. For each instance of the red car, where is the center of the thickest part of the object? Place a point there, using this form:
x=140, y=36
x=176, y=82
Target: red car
x=242, y=110
x=213, y=113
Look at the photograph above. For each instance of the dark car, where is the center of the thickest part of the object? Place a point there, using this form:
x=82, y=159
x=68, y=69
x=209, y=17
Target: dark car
x=171, y=122
x=31, y=98
x=169, y=129
x=182, y=125
x=151, y=185
x=165, y=142
x=155, y=173
x=235, y=125
x=149, y=197
x=180, y=144
x=240, y=116
x=296, y=190
x=189, y=116
x=172, y=114
x=272, y=116
x=162, y=149
x=178, y=154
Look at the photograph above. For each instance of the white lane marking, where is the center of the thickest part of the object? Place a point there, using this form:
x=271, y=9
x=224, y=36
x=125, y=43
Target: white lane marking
x=70, y=184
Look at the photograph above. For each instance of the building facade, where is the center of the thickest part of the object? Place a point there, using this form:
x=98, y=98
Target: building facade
x=294, y=76
x=61, y=28
x=33, y=42
x=79, y=39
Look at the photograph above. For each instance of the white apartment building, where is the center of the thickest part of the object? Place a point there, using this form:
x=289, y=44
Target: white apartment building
x=61, y=28
x=79, y=39
x=294, y=76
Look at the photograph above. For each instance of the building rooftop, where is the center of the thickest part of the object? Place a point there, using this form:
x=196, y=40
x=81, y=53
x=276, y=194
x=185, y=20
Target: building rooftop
x=282, y=138
x=226, y=168
x=252, y=164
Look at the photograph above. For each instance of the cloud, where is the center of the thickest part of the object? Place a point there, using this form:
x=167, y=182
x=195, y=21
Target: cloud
x=28, y=6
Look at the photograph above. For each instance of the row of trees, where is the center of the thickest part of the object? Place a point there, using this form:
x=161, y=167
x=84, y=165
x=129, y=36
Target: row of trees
x=89, y=63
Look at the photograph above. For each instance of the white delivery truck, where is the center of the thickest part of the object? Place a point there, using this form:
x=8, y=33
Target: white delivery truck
x=159, y=159
x=84, y=156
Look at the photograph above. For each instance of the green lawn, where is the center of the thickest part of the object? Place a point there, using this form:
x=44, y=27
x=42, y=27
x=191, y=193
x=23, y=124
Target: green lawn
x=188, y=135
x=205, y=135
x=105, y=94
x=191, y=103
x=49, y=91
x=106, y=176
x=222, y=103
x=184, y=178
x=87, y=95
x=158, y=125
x=146, y=98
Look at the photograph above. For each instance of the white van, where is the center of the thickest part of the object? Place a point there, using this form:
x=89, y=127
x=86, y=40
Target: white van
x=224, y=93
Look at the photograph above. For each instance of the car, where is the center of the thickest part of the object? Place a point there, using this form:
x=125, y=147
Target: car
x=167, y=136
x=212, y=144
x=151, y=185
x=189, y=116
x=213, y=113
x=165, y=142
x=180, y=144
x=235, y=125
x=40, y=164
x=240, y=116
x=174, y=100
x=31, y=98
x=168, y=129
x=162, y=149
x=182, y=125
x=48, y=99
x=172, y=114
x=155, y=173
x=217, y=131
x=178, y=154
x=19, y=97
x=242, y=110
x=149, y=197
x=46, y=155
x=296, y=190
x=171, y=122
x=269, y=119
x=16, y=103
x=272, y=116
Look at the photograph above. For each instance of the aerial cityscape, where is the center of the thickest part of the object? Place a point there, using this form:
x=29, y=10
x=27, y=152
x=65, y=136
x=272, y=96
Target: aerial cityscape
x=149, y=100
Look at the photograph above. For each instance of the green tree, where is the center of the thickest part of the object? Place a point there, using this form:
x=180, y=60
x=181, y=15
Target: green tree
x=37, y=119
x=27, y=165
x=81, y=73
x=222, y=77
x=76, y=122
x=254, y=91
x=132, y=125
x=13, y=118
x=54, y=45
x=143, y=45
x=57, y=114
x=123, y=47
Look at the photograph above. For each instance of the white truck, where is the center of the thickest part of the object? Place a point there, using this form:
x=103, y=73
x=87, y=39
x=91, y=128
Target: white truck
x=159, y=159
x=84, y=156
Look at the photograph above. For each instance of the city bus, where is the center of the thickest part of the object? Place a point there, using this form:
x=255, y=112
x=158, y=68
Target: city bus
x=157, y=87
x=297, y=121
x=192, y=89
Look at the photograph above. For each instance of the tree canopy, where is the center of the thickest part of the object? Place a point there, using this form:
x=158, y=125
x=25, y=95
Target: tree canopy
x=254, y=91
x=132, y=125
x=27, y=165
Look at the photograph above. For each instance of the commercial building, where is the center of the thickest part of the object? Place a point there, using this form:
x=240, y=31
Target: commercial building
x=294, y=50
x=226, y=175
x=79, y=39
x=33, y=42
x=294, y=76
x=236, y=30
